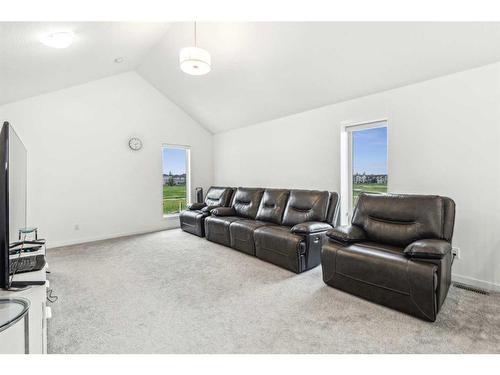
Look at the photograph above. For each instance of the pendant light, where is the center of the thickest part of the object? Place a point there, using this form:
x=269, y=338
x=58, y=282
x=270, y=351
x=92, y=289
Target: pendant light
x=194, y=61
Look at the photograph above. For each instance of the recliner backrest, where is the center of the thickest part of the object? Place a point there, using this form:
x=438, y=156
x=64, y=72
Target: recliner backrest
x=402, y=219
x=218, y=196
x=272, y=205
x=306, y=205
x=246, y=201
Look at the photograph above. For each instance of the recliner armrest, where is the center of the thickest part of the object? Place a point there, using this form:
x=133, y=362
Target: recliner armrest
x=310, y=227
x=428, y=249
x=196, y=206
x=346, y=234
x=209, y=209
x=223, y=211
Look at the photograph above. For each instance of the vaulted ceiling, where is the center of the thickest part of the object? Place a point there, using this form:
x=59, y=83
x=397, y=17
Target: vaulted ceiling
x=260, y=71
x=28, y=68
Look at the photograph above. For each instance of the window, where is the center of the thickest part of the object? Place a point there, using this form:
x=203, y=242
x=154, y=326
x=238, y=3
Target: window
x=176, y=179
x=365, y=156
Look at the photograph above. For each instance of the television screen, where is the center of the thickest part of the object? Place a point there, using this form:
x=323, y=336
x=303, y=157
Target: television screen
x=13, y=194
x=17, y=164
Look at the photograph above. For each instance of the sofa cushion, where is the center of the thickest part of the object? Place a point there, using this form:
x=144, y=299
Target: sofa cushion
x=272, y=205
x=241, y=233
x=217, y=229
x=305, y=205
x=246, y=202
x=400, y=219
x=277, y=245
x=218, y=196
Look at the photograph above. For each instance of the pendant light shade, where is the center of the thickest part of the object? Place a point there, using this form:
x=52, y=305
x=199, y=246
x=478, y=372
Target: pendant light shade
x=195, y=61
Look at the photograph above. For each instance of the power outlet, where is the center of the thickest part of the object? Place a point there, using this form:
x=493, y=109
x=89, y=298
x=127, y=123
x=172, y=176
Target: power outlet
x=456, y=251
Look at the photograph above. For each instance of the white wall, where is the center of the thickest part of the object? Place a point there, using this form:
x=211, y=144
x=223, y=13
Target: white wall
x=81, y=170
x=444, y=137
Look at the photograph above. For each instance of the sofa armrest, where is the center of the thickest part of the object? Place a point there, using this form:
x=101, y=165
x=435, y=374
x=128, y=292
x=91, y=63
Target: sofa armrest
x=223, y=211
x=310, y=227
x=196, y=206
x=209, y=209
x=428, y=249
x=346, y=234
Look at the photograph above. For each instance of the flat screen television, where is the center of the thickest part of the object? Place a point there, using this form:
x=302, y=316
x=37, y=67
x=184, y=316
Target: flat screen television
x=13, y=194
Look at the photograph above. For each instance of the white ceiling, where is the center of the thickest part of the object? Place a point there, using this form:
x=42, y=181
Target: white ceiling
x=29, y=68
x=260, y=71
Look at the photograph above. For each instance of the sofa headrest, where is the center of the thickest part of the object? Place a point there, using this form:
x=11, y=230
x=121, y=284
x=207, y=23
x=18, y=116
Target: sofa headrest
x=246, y=201
x=218, y=196
x=402, y=219
x=306, y=205
x=272, y=205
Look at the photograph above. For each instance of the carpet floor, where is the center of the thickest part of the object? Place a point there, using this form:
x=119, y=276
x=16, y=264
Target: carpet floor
x=172, y=292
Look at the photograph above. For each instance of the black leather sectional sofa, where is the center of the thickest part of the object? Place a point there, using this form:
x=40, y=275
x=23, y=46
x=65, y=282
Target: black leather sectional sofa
x=284, y=227
x=396, y=252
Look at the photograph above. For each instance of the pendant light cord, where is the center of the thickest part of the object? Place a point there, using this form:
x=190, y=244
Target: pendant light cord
x=195, y=33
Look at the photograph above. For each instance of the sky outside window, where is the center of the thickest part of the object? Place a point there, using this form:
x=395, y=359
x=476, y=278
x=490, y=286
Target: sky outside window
x=174, y=160
x=370, y=151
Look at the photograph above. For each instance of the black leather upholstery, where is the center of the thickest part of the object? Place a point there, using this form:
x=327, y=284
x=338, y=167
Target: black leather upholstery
x=196, y=206
x=346, y=233
x=400, y=219
x=219, y=196
x=428, y=249
x=306, y=205
x=272, y=205
x=217, y=229
x=242, y=234
x=246, y=202
x=276, y=244
x=297, y=250
x=369, y=258
x=192, y=220
x=310, y=227
x=223, y=211
x=254, y=225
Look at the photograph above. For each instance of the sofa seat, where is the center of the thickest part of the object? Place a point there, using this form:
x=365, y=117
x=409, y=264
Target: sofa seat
x=192, y=222
x=382, y=273
x=277, y=245
x=242, y=234
x=217, y=228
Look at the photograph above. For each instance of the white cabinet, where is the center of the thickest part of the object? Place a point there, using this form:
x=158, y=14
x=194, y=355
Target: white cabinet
x=13, y=338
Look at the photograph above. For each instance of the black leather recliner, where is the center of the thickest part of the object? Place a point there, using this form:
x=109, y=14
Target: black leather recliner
x=396, y=252
x=284, y=227
x=192, y=219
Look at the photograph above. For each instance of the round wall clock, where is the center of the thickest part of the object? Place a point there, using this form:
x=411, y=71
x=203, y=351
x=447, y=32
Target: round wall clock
x=135, y=144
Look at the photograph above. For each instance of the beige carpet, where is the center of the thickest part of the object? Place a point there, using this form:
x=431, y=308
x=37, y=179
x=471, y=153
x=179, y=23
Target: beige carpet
x=172, y=292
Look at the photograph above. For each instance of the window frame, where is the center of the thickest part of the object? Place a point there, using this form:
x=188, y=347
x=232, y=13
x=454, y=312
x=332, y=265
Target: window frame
x=346, y=155
x=188, y=175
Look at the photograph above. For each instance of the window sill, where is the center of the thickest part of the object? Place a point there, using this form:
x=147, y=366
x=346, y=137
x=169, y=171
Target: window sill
x=170, y=216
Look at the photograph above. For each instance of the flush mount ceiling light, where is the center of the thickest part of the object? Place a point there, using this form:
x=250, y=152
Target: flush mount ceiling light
x=60, y=39
x=195, y=61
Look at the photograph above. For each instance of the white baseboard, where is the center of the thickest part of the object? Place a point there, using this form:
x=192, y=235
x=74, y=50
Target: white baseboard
x=476, y=282
x=53, y=245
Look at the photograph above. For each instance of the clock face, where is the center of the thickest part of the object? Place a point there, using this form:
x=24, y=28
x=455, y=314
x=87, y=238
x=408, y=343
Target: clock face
x=135, y=144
